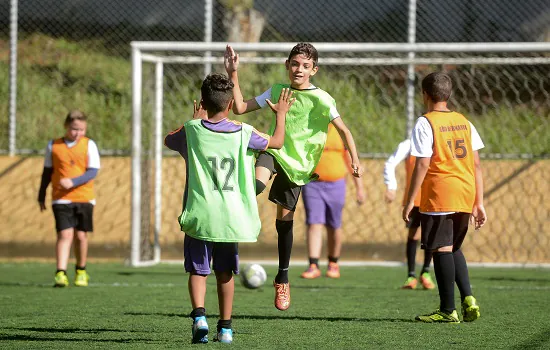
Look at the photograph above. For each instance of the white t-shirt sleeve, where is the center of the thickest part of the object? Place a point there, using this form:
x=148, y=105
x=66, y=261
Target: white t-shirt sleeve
x=422, y=139
x=93, y=155
x=333, y=113
x=477, y=144
x=400, y=154
x=48, y=162
x=260, y=100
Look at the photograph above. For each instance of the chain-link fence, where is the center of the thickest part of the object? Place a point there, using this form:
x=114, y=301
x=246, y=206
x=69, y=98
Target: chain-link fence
x=76, y=55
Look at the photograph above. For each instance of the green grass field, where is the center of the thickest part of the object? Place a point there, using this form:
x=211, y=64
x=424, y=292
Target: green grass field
x=147, y=308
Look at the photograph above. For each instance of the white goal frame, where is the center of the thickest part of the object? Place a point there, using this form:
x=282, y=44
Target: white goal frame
x=151, y=52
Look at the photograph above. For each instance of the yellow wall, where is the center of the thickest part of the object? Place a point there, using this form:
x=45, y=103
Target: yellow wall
x=517, y=230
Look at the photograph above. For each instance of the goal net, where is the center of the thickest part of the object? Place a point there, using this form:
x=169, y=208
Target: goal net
x=503, y=88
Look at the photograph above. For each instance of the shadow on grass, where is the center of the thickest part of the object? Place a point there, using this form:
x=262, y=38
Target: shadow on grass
x=514, y=279
x=282, y=317
x=538, y=341
x=22, y=337
x=71, y=330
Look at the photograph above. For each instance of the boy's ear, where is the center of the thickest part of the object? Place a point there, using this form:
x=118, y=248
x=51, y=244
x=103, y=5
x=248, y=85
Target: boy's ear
x=230, y=105
x=287, y=64
x=314, y=70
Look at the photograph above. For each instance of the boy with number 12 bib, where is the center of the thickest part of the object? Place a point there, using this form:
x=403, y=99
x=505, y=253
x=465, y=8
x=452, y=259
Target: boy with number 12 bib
x=219, y=202
x=306, y=133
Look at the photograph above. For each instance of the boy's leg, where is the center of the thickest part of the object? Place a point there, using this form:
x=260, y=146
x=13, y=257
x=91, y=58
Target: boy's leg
x=285, y=237
x=437, y=235
x=315, y=220
x=470, y=308
x=197, y=255
x=314, y=245
x=334, y=197
x=63, y=248
x=265, y=168
x=413, y=236
x=81, y=249
x=225, y=264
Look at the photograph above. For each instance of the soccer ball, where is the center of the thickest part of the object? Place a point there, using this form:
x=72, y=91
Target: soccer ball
x=253, y=276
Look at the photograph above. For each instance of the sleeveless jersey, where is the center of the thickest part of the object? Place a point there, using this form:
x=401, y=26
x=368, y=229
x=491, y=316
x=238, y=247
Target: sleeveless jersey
x=332, y=166
x=305, y=132
x=71, y=162
x=409, y=167
x=449, y=184
x=220, y=196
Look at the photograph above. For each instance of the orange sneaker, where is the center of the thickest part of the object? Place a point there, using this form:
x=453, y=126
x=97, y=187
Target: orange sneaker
x=410, y=283
x=333, y=270
x=312, y=272
x=282, y=295
x=427, y=281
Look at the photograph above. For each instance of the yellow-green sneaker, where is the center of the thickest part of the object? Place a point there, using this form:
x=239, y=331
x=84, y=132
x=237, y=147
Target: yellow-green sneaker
x=439, y=317
x=61, y=280
x=81, y=278
x=470, y=309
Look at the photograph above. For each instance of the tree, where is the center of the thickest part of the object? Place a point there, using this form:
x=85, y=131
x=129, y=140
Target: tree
x=242, y=22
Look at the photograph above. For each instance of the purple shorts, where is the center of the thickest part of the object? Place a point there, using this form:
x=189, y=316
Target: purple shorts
x=324, y=202
x=198, y=254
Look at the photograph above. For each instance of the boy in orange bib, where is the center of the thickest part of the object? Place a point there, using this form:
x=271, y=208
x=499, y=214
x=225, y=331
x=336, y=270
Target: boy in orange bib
x=70, y=164
x=448, y=173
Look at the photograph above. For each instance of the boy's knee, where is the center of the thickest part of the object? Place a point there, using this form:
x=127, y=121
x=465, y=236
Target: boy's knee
x=260, y=187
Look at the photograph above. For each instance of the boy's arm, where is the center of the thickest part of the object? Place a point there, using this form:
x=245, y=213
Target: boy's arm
x=46, y=177
x=91, y=169
x=479, y=217
x=349, y=143
x=400, y=154
x=281, y=108
x=231, y=62
x=419, y=173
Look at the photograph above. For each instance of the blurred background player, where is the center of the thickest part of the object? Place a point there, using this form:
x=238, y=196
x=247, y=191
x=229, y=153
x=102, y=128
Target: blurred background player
x=403, y=152
x=70, y=164
x=306, y=129
x=448, y=169
x=324, y=201
x=219, y=202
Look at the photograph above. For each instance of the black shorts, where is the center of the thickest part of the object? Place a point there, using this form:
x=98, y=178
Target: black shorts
x=414, y=218
x=74, y=215
x=283, y=191
x=443, y=230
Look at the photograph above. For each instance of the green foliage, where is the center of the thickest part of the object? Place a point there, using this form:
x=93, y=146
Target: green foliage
x=148, y=307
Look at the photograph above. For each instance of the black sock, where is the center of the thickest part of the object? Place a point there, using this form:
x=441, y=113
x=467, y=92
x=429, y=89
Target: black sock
x=333, y=259
x=314, y=261
x=427, y=260
x=80, y=267
x=224, y=324
x=200, y=311
x=444, y=267
x=462, y=277
x=284, y=244
x=411, y=256
x=58, y=270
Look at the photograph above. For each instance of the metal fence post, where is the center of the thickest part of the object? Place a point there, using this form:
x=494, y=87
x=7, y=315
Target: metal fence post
x=410, y=68
x=208, y=13
x=13, y=78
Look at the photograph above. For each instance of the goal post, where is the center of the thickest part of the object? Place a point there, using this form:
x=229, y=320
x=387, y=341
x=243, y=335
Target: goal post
x=147, y=152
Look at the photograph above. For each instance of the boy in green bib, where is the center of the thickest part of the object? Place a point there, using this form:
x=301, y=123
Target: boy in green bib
x=306, y=131
x=219, y=202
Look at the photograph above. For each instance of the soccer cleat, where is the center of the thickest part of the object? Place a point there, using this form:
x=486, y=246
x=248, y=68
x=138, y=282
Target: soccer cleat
x=470, y=309
x=426, y=281
x=439, y=317
x=410, y=283
x=225, y=335
x=200, y=330
x=312, y=272
x=61, y=279
x=81, y=278
x=333, y=270
x=282, y=295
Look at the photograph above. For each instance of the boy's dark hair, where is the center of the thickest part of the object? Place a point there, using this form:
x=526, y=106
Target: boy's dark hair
x=438, y=86
x=306, y=49
x=216, y=92
x=74, y=115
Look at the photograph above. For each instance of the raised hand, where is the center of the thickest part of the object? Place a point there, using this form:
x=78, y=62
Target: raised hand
x=284, y=103
x=198, y=111
x=230, y=60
